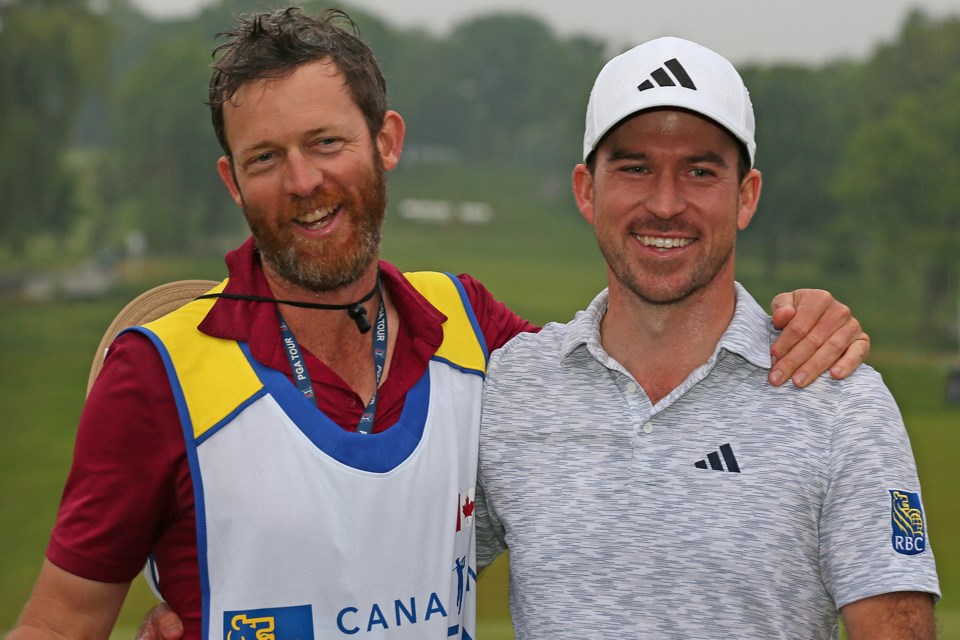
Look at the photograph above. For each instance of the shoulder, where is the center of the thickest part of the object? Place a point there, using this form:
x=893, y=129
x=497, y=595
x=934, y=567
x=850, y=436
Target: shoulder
x=545, y=343
x=828, y=403
x=498, y=321
x=863, y=397
x=132, y=382
x=856, y=418
x=864, y=390
x=528, y=362
x=494, y=319
x=131, y=356
x=555, y=342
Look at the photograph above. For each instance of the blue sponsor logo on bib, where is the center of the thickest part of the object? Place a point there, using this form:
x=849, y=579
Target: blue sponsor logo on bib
x=278, y=623
x=906, y=519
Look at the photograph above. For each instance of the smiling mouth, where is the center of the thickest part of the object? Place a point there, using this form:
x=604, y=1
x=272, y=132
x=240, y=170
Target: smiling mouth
x=318, y=218
x=661, y=243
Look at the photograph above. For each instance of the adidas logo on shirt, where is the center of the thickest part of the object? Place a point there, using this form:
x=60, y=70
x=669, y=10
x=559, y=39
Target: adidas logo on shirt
x=715, y=463
x=670, y=74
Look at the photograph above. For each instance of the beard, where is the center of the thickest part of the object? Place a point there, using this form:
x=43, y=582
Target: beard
x=328, y=264
x=657, y=283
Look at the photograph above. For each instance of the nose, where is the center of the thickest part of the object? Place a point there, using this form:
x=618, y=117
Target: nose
x=665, y=198
x=302, y=176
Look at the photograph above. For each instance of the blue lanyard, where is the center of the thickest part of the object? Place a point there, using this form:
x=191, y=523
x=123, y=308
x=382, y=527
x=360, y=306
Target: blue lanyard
x=302, y=378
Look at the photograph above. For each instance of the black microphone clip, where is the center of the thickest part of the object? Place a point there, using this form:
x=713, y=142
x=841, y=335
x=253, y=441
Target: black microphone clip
x=358, y=313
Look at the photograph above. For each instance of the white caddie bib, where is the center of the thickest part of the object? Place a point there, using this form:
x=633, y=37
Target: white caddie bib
x=306, y=531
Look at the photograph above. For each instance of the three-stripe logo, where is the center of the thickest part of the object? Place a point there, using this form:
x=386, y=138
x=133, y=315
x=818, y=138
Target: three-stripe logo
x=713, y=458
x=664, y=79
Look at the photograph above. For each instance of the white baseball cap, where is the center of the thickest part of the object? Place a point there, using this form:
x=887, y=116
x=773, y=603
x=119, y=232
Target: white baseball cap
x=670, y=72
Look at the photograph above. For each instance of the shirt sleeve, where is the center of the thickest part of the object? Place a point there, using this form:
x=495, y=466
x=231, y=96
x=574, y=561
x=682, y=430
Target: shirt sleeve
x=121, y=488
x=497, y=321
x=490, y=533
x=873, y=529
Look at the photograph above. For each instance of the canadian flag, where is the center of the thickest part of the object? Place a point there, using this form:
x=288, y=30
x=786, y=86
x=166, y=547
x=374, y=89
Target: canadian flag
x=465, y=506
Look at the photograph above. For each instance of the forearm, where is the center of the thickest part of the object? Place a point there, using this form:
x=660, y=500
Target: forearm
x=67, y=607
x=905, y=615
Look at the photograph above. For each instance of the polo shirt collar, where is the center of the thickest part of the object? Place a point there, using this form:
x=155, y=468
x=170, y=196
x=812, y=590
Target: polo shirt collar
x=749, y=335
x=257, y=324
x=584, y=330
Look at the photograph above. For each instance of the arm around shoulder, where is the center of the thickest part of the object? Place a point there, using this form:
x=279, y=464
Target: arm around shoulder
x=903, y=615
x=66, y=606
x=819, y=333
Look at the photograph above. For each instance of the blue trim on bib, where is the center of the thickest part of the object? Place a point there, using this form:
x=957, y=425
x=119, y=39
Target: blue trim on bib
x=233, y=414
x=465, y=300
x=452, y=365
x=374, y=452
x=195, y=475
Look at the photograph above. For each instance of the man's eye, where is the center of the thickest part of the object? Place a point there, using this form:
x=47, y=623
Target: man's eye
x=328, y=145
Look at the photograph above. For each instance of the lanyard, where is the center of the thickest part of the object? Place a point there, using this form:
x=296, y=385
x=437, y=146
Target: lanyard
x=302, y=378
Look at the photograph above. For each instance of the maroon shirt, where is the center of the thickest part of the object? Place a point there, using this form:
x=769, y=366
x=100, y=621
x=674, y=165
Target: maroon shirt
x=129, y=492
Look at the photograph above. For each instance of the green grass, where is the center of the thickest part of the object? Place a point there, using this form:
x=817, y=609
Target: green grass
x=47, y=350
x=543, y=263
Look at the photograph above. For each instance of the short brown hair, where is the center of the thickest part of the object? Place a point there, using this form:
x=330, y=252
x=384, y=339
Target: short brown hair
x=274, y=44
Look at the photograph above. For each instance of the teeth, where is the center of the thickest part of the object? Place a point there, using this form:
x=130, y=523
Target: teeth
x=316, y=215
x=664, y=243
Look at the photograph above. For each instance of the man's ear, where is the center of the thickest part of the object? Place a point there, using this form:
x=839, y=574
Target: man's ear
x=583, y=191
x=749, y=198
x=390, y=139
x=229, y=178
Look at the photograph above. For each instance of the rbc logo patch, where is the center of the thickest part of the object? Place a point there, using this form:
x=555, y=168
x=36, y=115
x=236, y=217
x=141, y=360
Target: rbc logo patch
x=278, y=623
x=906, y=519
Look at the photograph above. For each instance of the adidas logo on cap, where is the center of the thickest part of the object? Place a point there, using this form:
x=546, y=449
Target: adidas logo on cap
x=669, y=72
x=664, y=79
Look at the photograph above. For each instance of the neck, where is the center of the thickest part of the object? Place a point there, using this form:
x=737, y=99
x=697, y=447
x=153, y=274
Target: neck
x=332, y=335
x=316, y=328
x=660, y=345
x=283, y=289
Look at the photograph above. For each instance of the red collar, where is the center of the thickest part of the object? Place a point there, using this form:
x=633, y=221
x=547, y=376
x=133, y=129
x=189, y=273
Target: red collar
x=256, y=322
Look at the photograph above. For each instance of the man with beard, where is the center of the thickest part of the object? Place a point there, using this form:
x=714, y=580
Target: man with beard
x=646, y=478
x=290, y=472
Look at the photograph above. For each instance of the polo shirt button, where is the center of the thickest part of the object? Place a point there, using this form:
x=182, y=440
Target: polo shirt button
x=648, y=428
x=632, y=387
x=351, y=403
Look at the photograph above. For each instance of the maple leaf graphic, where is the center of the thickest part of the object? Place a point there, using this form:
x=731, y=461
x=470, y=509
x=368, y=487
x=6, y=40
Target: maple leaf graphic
x=468, y=508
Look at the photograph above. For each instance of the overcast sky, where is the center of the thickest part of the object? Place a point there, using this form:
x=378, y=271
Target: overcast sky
x=806, y=31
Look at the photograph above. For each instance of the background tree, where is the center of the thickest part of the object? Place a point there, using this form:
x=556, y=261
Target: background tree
x=52, y=53
x=162, y=151
x=804, y=116
x=521, y=92
x=899, y=182
x=494, y=112
x=918, y=63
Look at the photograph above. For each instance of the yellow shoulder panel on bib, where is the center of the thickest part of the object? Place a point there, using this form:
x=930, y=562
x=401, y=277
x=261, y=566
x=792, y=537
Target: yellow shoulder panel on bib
x=461, y=346
x=213, y=373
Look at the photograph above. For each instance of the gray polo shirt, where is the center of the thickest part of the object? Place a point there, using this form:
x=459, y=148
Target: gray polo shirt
x=730, y=508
